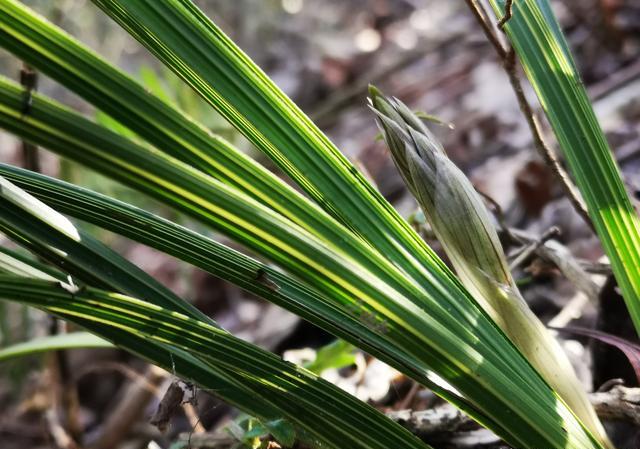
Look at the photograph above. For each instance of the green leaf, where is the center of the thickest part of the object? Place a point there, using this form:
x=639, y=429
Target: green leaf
x=198, y=52
x=236, y=368
x=108, y=122
x=254, y=370
x=152, y=81
x=547, y=61
x=164, y=126
x=73, y=340
x=53, y=237
x=21, y=265
x=282, y=431
x=197, y=249
x=247, y=430
x=253, y=433
x=336, y=354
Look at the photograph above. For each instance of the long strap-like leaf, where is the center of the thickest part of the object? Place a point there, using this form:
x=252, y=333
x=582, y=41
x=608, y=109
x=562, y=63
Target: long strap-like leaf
x=37, y=227
x=122, y=275
x=81, y=70
x=161, y=124
x=327, y=416
x=203, y=252
x=89, y=76
x=546, y=58
x=33, y=225
x=219, y=205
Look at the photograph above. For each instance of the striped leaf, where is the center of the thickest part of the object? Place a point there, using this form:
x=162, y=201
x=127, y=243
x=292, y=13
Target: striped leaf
x=236, y=370
x=241, y=374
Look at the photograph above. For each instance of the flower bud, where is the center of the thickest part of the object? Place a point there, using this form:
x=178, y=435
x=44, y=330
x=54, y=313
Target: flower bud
x=463, y=226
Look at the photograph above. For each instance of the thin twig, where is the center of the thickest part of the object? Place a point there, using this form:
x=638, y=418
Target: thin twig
x=602, y=268
x=508, y=58
x=481, y=17
x=135, y=397
x=547, y=153
x=64, y=390
x=531, y=248
x=609, y=384
x=508, y=14
x=208, y=440
x=486, y=17
x=61, y=438
x=618, y=404
x=587, y=289
x=408, y=399
x=571, y=310
x=124, y=370
x=558, y=254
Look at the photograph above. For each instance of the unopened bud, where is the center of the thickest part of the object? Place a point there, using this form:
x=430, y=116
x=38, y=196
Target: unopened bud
x=463, y=226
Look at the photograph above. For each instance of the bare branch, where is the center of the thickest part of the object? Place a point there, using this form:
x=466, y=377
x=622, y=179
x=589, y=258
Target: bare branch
x=483, y=19
x=508, y=14
x=508, y=58
x=532, y=247
x=618, y=404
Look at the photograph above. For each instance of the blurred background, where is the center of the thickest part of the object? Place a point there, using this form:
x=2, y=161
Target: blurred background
x=323, y=53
